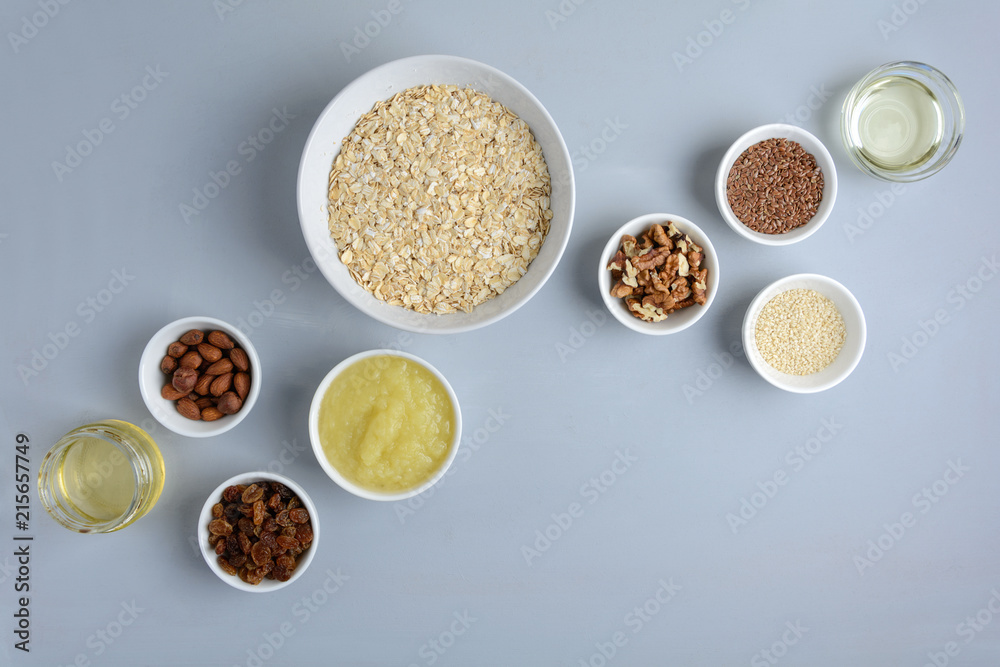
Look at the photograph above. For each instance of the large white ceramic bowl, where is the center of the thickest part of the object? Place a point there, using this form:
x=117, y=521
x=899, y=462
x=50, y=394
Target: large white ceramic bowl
x=208, y=552
x=336, y=475
x=676, y=321
x=850, y=353
x=337, y=121
x=811, y=145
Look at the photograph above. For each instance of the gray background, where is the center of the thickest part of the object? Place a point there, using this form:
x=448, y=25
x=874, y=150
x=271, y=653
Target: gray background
x=413, y=569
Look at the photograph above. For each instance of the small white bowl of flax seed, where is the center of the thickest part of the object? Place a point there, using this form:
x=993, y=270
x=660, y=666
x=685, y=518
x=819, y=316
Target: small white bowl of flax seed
x=804, y=333
x=776, y=185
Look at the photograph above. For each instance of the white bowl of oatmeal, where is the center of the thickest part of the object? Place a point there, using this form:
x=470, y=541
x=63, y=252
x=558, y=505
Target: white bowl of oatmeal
x=437, y=227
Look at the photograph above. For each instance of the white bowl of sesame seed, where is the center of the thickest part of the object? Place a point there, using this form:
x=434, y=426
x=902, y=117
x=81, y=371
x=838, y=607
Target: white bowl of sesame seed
x=776, y=185
x=804, y=333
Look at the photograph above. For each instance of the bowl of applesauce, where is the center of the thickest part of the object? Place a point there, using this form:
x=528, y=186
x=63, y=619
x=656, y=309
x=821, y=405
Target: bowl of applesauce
x=385, y=425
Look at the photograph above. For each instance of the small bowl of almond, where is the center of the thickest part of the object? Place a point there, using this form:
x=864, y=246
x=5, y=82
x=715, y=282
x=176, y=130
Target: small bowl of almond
x=658, y=274
x=199, y=376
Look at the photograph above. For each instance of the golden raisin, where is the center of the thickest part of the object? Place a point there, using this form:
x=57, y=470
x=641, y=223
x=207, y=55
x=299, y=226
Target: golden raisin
x=270, y=541
x=220, y=527
x=285, y=542
x=226, y=566
x=304, y=533
x=252, y=494
x=258, y=513
x=260, y=553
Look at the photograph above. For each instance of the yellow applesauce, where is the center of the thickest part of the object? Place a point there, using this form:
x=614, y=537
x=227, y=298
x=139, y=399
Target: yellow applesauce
x=386, y=423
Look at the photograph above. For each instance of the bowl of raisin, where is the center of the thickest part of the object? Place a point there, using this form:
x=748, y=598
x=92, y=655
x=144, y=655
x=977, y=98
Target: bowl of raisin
x=258, y=531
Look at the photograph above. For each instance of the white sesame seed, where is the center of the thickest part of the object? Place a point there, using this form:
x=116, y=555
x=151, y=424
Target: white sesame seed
x=800, y=332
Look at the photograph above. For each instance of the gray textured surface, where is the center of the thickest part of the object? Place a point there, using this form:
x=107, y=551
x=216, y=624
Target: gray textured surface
x=566, y=416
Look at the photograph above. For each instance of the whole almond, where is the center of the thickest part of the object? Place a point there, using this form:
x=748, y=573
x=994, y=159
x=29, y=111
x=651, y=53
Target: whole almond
x=229, y=403
x=221, y=384
x=209, y=352
x=176, y=349
x=191, y=359
x=239, y=358
x=220, y=367
x=184, y=379
x=192, y=337
x=201, y=387
x=241, y=383
x=210, y=414
x=168, y=365
x=170, y=393
x=221, y=340
x=187, y=408
x=204, y=402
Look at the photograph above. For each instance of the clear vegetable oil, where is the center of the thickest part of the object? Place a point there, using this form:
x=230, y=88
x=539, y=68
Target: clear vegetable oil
x=96, y=479
x=900, y=123
x=101, y=477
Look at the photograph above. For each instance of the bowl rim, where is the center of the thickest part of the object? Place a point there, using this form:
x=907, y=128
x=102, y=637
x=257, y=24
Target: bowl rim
x=162, y=409
x=616, y=306
x=365, y=302
x=828, y=287
x=334, y=474
x=812, y=145
x=954, y=104
x=208, y=553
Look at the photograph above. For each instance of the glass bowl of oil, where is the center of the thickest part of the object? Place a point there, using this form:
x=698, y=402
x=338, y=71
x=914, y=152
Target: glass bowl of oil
x=902, y=122
x=101, y=477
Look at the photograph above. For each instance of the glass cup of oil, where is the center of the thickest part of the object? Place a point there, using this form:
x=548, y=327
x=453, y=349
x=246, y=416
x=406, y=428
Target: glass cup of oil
x=902, y=122
x=101, y=477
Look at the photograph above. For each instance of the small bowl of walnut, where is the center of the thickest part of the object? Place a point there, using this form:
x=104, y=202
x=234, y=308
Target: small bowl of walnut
x=258, y=531
x=658, y=274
